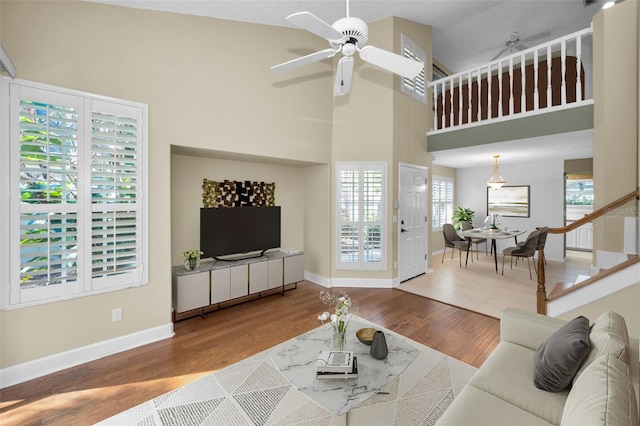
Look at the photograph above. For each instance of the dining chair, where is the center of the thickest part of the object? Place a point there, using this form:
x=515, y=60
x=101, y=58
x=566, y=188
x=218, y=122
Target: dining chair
x=453, y=241
x=527, y=250
x=542, y=240
x=465, y=226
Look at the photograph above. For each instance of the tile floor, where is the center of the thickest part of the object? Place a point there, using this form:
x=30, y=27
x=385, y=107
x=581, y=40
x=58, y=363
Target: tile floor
x=478, y=288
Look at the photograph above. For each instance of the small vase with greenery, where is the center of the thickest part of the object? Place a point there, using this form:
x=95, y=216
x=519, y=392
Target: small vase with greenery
x=192, y=258
x=461, y=214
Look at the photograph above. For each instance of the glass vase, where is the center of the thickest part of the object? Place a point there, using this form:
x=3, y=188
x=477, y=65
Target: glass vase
x=339, y=339
x=191, y=263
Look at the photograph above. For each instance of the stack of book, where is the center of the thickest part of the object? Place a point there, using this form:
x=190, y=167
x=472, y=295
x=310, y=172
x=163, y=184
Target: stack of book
x=332, y=365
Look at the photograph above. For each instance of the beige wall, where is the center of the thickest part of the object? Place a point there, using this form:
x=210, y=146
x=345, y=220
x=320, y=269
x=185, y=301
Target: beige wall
x=584, y=165
x=624, y=302
x=615, y=53
x=208, y=85
x=317, y=220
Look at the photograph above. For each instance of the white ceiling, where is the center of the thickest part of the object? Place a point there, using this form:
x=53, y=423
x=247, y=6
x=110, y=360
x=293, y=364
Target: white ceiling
x=466, y=33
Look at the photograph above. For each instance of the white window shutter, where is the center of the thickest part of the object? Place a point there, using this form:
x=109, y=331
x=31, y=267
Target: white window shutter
x=361, y=213
x=76, y=220
x=116, y=168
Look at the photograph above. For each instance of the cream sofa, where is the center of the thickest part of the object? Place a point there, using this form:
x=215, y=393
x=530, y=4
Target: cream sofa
x=502, y=391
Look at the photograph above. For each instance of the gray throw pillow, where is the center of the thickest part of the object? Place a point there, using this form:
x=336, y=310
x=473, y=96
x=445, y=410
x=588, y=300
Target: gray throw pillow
x=557, y=360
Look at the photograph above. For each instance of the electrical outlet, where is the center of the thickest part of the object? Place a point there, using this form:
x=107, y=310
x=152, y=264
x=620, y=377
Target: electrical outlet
x=116, y=314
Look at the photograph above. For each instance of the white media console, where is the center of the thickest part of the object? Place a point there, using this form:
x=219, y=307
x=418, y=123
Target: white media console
x=200, y=290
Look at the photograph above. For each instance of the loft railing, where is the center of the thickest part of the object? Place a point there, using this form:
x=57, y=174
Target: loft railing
x=562, y=289
x=554, y=78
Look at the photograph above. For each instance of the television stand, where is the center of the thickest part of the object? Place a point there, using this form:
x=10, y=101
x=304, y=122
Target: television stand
x=216, y=284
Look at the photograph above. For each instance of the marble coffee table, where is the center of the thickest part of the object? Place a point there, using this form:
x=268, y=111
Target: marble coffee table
x=296, y=361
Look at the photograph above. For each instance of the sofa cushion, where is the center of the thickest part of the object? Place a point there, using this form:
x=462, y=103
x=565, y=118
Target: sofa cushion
x=479, y=408
x=557, y=360
x=602, y=395
x=608, y=334
x=506, y=374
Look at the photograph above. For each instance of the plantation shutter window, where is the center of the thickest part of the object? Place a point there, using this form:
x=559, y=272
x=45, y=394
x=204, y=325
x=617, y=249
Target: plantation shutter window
x=361, y=201
x=76, y=219
x=415, y=87
x=442, y=201
x=115, y=224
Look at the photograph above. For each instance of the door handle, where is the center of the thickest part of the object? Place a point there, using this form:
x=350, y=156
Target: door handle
x=403, y=230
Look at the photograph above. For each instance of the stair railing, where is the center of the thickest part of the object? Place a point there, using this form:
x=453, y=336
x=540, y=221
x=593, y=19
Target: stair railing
x=541, y=294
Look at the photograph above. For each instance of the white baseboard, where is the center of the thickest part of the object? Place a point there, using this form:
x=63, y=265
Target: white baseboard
x=317, y=279
x=349, y=282
x=15, y=374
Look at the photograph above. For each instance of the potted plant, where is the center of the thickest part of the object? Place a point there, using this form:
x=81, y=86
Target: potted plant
x=461, y=214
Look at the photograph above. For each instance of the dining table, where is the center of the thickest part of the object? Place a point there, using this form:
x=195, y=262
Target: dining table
x=490, y=234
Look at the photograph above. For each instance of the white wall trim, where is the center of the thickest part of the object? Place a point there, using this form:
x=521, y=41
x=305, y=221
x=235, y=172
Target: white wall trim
x=317, y=279
x=15, y=374
x=350, y=282
x=362, y=282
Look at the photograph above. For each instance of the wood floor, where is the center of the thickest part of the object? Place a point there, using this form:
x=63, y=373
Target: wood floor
x=97, y=390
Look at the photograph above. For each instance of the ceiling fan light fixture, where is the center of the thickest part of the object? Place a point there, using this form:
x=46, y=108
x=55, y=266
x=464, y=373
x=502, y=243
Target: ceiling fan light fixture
x=496, y=181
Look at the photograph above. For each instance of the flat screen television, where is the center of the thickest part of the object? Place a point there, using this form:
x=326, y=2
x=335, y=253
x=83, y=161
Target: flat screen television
x=239, y=230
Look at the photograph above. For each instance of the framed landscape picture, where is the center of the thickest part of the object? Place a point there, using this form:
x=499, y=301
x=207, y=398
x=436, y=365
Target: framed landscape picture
x=508, y=201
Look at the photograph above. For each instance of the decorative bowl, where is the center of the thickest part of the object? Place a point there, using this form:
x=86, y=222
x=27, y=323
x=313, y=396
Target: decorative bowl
x=365, y=335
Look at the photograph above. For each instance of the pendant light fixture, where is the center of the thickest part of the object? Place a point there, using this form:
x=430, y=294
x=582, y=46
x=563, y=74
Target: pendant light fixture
x=496, y=181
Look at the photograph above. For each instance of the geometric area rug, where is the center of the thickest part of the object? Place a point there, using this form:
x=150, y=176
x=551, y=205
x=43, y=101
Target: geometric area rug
x=254, y=392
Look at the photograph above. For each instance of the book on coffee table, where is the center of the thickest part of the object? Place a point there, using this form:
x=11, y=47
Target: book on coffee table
x=335, y=362
x=353, y=374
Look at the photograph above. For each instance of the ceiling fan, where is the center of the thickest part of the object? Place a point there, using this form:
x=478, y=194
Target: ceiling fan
x=515, y=42
x=347, y=35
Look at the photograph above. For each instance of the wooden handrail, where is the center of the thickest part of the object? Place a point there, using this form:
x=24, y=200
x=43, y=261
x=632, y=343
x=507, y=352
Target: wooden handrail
x=563, y=288
x=597, y=213
x=541, y=294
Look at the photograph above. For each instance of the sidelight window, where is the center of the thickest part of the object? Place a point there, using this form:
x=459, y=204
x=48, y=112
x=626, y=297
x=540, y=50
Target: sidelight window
x=361, y=242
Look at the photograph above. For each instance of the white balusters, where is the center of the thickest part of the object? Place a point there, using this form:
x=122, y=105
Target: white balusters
x=549, y=68
x=523, y=77
x=451, y=120
x=469, y=96
x=563, y=58
x=459, y=100
x=499, y=89
x=482, y=77
x=444, y=93
x=536, y=93
x=511, y=86
x=479, y=101
x=578, y=69
x=489, y=100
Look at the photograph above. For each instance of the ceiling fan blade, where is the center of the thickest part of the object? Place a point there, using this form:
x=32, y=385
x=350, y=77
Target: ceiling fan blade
x=344, y=73
x=521, y=47
x=391, y=62
x=315, y=25
x=304, y=60
x=499, y=54
x=535, y=37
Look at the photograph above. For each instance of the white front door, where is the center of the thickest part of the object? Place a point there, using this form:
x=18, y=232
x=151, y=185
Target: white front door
x=412, y=221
